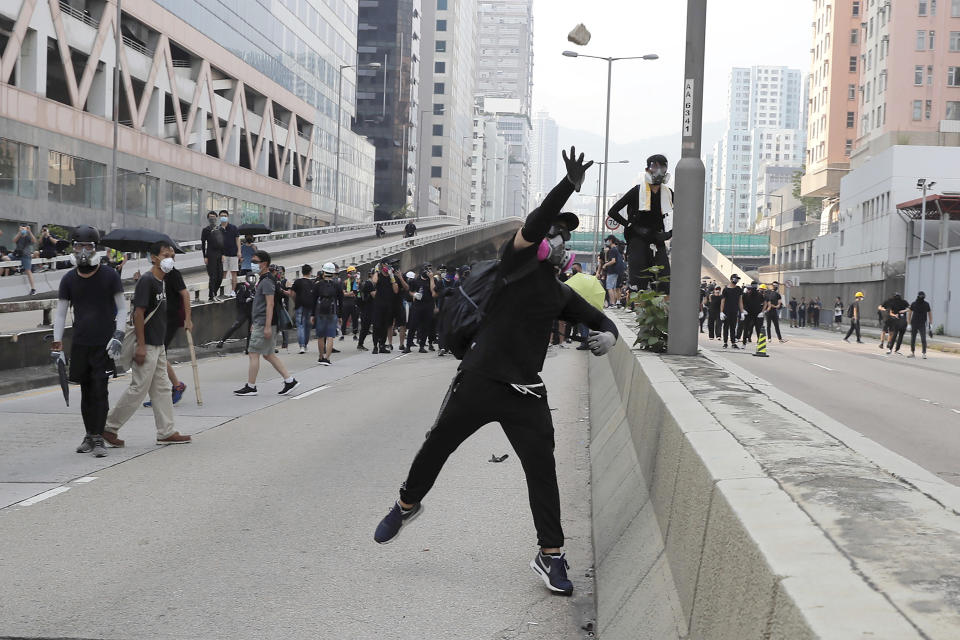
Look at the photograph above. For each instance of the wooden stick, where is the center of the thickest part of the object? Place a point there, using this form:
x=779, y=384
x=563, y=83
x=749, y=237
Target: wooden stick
x=196, y=370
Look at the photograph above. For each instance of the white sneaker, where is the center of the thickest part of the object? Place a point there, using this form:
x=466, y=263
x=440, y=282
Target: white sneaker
x=232, y=294
x=302, y=350
x=924, y=356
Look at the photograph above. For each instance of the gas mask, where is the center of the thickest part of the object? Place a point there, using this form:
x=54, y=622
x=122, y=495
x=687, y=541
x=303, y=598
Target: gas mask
x=553, y=249
x=656, y=174
x=166, y=265
x=84, y=254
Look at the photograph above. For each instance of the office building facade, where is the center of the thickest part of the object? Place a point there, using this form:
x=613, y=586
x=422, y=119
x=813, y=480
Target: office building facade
x=545, y=155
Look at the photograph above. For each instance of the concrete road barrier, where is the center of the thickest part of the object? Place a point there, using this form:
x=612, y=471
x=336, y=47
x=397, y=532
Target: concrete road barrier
x=720, y=513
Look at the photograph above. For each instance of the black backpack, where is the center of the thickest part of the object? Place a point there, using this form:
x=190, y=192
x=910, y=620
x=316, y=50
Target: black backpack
x=326, y=297
x=850, y=311
x=463, y=309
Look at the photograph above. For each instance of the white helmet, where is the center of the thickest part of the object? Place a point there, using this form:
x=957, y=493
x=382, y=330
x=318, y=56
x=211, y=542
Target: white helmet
x=329, y=267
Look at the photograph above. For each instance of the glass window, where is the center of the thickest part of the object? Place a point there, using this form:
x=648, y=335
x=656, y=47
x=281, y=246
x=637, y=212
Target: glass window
x=953, y=110
x=436, y=151
x=955, y=41
x=856, y=7
x=850, y=119
x=218, y=202
x=439, y=88
x=279, y=219
x=436, y=172
x=922, y=7
x=917, y=109
x=441, y=25
x=75, y=180
x=854, y=36
x=441, y=46
x=918, y=74
x=953, y=76
x=182, y=204
x=252, y=213
x=438, y=109
x=853, y=64
x=851, y=92
x=438, y=129
x=955, y=8
x=18, y=168
x=137, y=193
x=441, y=5
x=439, y=67
x=931, y=47
x=921, y=40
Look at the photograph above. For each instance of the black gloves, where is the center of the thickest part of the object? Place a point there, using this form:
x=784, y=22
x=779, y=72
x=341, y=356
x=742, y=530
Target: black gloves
x=576, y=169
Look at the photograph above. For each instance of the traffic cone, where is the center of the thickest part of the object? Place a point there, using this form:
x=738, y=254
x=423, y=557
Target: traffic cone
x=761, y=346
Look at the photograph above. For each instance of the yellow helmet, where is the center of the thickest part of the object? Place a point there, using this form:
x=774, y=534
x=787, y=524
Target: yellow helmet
x=858, y=294
x=763, y=286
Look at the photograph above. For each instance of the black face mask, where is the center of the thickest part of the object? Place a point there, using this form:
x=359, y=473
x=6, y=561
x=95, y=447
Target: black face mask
x=86, y=268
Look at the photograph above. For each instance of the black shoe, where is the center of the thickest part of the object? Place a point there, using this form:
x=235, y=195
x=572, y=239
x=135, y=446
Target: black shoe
x=220, y=345
x=431, y=347
x=724, y=345
x=324, y=362
x=376, y=350
x=247, y=390
x=335, y=350
x=86, y=446
x=422, y=350
x=395, y=519
x=583, y=347
x=734, y=346
x=341, y=338
x=553, y=571
x=388, y=348
x=360, y=347
x=288, y=387
x=846, y=339
x=441, y=353
x=354, y=336
x=859, y=341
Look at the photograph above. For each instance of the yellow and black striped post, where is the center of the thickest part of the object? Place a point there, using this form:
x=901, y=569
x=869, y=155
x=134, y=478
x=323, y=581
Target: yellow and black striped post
x=761, y=346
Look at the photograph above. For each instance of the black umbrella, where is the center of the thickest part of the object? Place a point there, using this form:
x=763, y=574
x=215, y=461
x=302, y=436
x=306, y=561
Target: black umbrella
x=62, y=374
x=136, y=240
x=254, y=229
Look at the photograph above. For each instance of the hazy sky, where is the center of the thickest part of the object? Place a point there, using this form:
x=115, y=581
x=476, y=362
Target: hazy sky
x=647, y=95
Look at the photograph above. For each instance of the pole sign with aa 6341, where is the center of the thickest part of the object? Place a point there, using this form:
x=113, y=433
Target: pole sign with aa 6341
x=688, y=108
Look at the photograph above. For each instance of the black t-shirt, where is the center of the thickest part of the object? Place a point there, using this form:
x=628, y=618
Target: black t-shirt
x=366, y=292
x=773, y=298
x=418, y=285
x=512, y=343
x=148, y=294
x=793, y=305
x=613, y=253
x=753, y=302
x=304, y=291
x=715, y=302
x=94, y=310
x=173, y=284
x=920, y=310
x=731, y=296
x=385, y=295
x=230, y=235
x=896, y=305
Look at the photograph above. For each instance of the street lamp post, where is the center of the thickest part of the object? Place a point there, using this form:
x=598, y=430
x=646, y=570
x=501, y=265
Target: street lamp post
x=687, y=246
x=606, y=138
x=601, y=204
x=923, y=184
x=336, y=184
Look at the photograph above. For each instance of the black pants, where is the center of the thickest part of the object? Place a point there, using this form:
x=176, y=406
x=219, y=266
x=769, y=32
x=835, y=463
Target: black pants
x=420, y=324
x=730, y=327
x=88, y=367
x=802, y=318
x=241, y=319
x=351, y=312
x=922, y=329
x=713, y=325
x=641, y=256
x=772, y=317
x=214, y=274
x=750, y=324
x=474, y=401
x=854, y=324
x=898, y=329
x=366, y=320
x=382, y=319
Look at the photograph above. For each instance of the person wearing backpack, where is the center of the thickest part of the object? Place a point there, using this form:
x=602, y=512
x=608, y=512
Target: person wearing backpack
x=304, y=299
x=498, y=379
x=329, y=293
x=244, y=309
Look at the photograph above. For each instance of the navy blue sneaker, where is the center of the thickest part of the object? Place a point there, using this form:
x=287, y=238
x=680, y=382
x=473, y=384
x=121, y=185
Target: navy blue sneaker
x=553, y=571
x=395, y=519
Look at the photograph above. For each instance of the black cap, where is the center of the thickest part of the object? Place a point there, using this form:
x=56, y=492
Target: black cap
x=612, y=238
x=570, y=219
x=86, y=233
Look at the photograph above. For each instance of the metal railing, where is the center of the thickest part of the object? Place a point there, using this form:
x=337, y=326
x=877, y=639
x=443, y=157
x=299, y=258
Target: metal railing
x=85, y=18
x=786, y=266
x=136, y=46
x=182, y=64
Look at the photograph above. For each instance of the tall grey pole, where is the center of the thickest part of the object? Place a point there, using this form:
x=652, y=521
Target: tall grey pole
x=336, y=183
x=600, y=205
x=688, y=210
x=606, y=167
x=923, y=228
x=118, y=42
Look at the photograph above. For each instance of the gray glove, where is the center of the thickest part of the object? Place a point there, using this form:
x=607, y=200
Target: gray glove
x=723, y=316
x=418, y=295
x=760, y=315
x=600, y=342
x=115, y=345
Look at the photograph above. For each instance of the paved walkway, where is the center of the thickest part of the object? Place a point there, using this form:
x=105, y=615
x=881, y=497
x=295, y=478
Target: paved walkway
x=262, y=527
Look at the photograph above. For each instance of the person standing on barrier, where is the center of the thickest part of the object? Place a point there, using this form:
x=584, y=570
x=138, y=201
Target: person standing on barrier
x=99, y=314
x=365, y=304
x=350, y=310
x=919, y=319
x=731, y=310
x=499, y=381
x=775, y=303
x=231, y=249
x=386, y=290
x=149, y=367
x=854, y=314
x=211, y=246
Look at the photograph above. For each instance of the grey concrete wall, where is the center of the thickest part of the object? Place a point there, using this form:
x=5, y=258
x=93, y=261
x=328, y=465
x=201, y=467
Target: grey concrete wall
x=693, y=538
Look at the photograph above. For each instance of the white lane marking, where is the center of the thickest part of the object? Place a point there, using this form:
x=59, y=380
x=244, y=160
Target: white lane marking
x=43, y=496
x=311, y=392
x=821, y=366
x=85, y=479
x=955, y=410
x=924, y=400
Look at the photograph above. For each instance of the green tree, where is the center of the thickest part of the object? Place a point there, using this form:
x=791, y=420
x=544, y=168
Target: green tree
x=813, y=206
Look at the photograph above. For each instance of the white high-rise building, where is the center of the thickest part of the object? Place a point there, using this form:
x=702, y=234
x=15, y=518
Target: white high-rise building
x=545, y=155
x=766, y=124
x=505, y=79
x=447, y=88
x=488, y=170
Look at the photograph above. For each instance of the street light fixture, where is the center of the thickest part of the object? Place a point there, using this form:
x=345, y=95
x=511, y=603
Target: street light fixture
x=923, y=184
x=336, y=184
x=606, y=140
